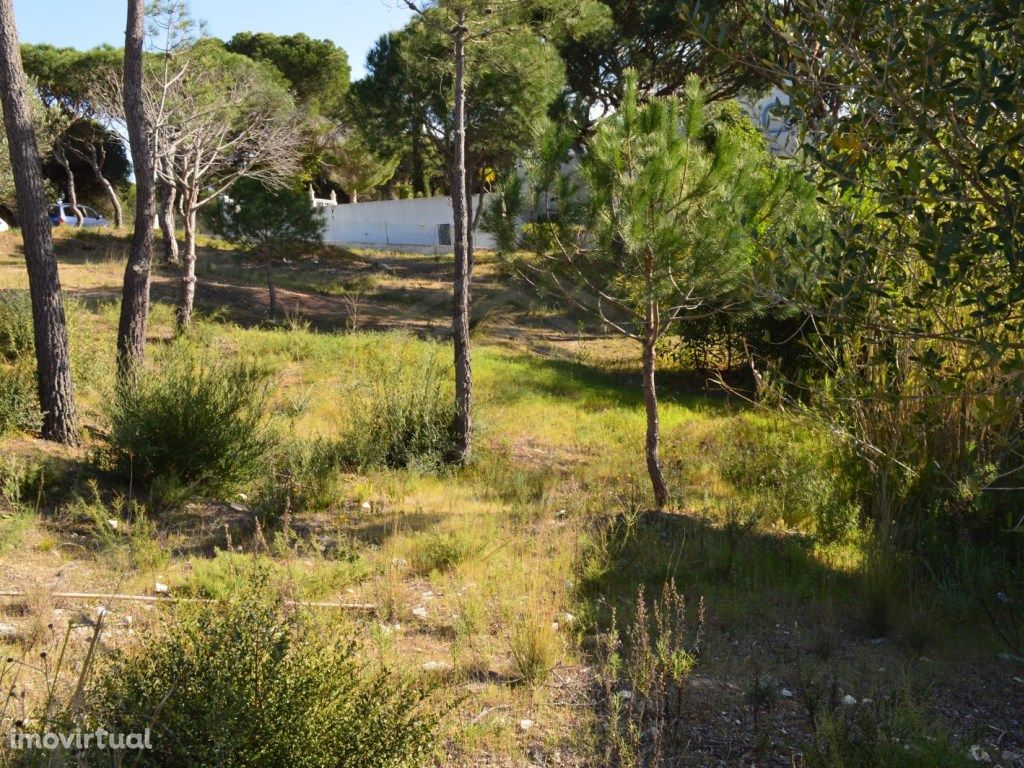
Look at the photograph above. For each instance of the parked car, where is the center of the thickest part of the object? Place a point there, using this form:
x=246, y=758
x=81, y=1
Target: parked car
x=65, y=214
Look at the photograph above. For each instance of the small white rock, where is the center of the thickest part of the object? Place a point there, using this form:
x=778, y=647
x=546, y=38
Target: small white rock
x=625, y=695
x=419, y=612
x=235, y=506
x=978, y=755
x=366, y=505
x=849, y=701
x=786, y=693
x=525, y=725
x=8, y=631
x=435, y=666
x=113, y=523
x=160, y=588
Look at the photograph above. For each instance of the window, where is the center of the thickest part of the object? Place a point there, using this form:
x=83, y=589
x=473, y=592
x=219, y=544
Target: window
x=444, y=234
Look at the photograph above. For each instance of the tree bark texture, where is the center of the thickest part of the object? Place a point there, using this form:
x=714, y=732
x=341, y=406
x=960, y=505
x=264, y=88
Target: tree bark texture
x=131, y=330
x=460, y=314
x=653, y=421
x=53, y=362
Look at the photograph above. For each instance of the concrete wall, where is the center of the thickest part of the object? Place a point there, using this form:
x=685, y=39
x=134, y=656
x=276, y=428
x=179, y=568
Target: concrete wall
x=403, y=225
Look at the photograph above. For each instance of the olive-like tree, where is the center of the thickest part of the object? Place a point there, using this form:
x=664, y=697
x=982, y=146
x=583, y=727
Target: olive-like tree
x=53, y=360
x=662, y=225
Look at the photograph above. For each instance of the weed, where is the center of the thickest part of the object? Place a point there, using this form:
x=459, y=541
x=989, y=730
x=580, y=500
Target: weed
x=17, y=338
x=438, y=552
x=642, y=684
x=406, y=415
x=889, y=732
x=535, y=647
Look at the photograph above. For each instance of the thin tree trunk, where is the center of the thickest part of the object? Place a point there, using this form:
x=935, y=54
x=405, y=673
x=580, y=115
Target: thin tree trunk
x=187, y=291
x=653, y=422
x=131, y=330
x=53, y=362
x=460, y=313
x=62, y=158
x=419, y=184
x=115, y=201
x=271, y=289
x=168, y=193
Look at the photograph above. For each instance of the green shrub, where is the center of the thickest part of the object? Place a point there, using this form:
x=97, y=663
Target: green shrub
x=790, y=476
x=245, y=683
x=19, y=403
x=305, y=476
x=219, y=577
x=190, y=425
x=405, y=416
x=17, y=338
x=19, y=406
x=438, y=552
x=889, y=733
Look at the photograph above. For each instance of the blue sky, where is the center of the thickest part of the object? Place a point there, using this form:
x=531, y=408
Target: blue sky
x=353, y=24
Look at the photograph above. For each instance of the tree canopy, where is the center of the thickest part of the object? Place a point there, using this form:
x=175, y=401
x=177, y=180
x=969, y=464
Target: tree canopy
x=317, y=71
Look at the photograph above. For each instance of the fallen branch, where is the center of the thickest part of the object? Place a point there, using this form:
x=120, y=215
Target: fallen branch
x=169, y=599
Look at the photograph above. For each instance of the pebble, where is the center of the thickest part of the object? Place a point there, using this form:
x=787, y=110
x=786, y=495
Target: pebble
x=848, y=700
x=236, y=507
x=160, y=588
x=525, y=725
x=113, y=523
x=8, y=631
x=978, y=755
x=786, y=693
x=419, y=612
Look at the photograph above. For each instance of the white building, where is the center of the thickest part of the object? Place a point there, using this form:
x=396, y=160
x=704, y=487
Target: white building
x=422, y=225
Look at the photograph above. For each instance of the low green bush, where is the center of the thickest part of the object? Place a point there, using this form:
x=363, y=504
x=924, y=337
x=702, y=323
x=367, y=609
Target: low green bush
x=17, y=338
x=247, y=683
x=403, y=415
x=889, y=733
x=190, y=425
x=19, y=403
x=303, y=476
x=790, y=476
x=439, y=552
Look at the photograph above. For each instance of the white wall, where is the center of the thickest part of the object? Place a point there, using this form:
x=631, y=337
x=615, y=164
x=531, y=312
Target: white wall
x=394, y=224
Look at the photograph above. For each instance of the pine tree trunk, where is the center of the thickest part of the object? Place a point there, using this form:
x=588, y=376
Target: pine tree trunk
x=419, y=184
x=53, y=363
x=187, y=291
x=168, y=193
x=653, y=422
x=460, y=314
x=131, y=330
x=271, y=289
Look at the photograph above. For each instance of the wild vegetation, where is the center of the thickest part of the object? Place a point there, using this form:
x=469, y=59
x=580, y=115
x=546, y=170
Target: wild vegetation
x=714, y=461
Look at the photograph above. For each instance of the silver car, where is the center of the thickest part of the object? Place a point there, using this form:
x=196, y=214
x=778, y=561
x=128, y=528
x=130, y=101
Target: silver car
x=65, y=214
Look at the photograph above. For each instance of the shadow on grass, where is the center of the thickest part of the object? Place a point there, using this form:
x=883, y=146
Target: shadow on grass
x=597, y=386
x=744, y=576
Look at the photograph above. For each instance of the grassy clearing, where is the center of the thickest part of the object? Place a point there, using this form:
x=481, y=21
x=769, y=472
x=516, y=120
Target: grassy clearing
x=496, y=583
